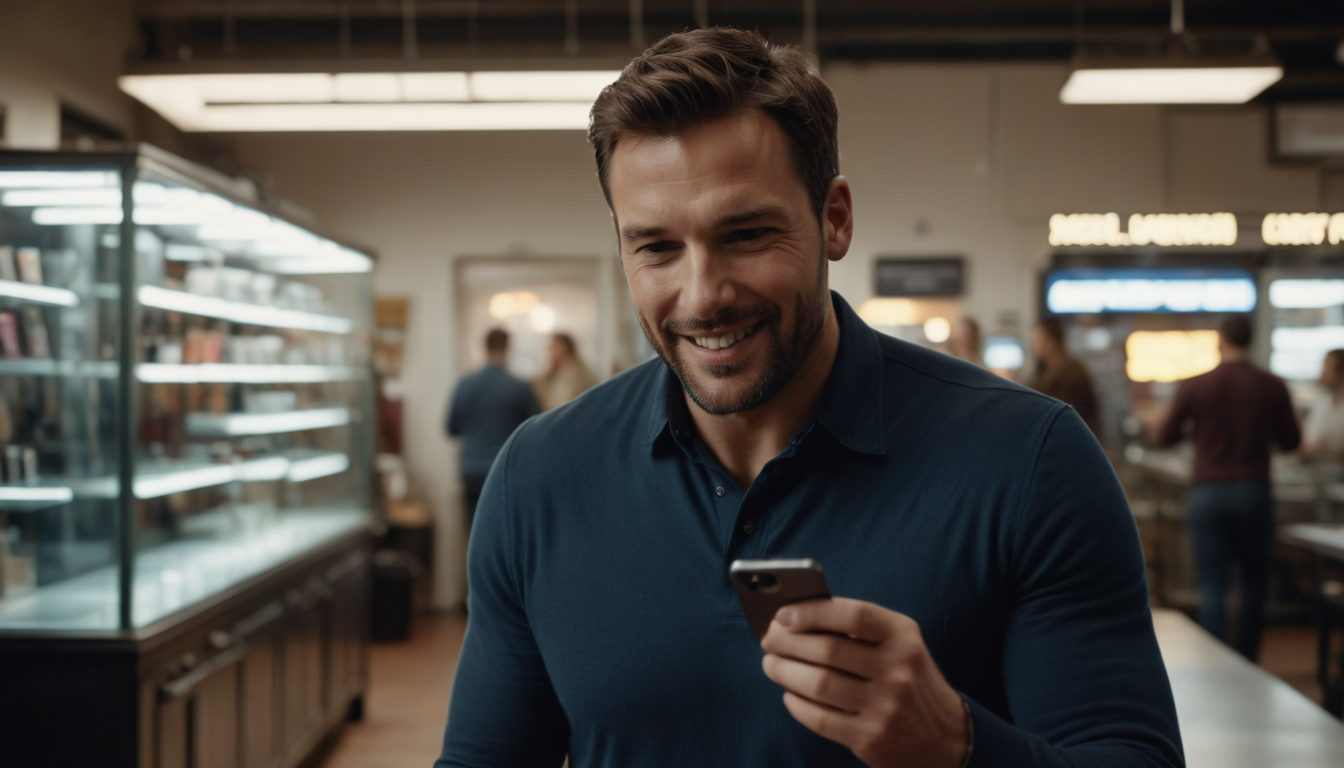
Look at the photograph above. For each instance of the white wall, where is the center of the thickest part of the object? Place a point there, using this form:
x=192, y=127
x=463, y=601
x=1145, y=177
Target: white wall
x=62, y=50
x=982, y=153
x=420, y=200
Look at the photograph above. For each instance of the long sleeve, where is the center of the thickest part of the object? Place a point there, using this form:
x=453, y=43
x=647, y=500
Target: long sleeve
x=456, y=412
x=1172, y=428
x=1287, y=435
x=1084, y=678
x=504, y=711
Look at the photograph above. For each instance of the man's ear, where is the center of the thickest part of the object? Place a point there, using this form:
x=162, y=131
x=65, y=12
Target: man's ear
x=837, y=219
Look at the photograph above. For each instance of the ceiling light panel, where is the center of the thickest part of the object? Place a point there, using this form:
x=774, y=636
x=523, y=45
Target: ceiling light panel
x=407, y=101
x=1173, y=85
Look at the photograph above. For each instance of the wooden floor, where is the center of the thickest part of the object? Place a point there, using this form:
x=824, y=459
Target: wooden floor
x=407, y=703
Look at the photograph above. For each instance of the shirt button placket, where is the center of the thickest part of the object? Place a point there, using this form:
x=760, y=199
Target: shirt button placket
x=719, y=491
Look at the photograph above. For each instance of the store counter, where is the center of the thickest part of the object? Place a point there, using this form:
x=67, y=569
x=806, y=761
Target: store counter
x=1233, y=714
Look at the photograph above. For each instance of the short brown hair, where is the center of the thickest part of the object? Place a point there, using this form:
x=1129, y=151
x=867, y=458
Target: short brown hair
x=1237, y=330
x=1053, y=329
x=693, y=77
x=497, y=340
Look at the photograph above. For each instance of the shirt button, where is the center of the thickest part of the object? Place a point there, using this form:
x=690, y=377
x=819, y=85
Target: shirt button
x=719, y=491
x=748, y=528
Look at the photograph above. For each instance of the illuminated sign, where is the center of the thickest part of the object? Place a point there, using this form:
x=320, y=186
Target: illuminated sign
x=1165, y=229
x=1170, y=355
x=1302, y=228
x=1306, y=294
x=1072, y=291
x=921, y=277
x=1298, y=353
x=1003, y=353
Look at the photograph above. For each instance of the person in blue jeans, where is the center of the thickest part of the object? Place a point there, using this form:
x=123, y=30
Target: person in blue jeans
x=1236, y=412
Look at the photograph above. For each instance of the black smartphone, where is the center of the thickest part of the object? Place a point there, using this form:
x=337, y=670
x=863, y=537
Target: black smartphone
x=765, y=586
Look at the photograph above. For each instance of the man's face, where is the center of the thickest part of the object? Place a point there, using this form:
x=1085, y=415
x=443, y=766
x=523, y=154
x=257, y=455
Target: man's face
x=724, y=255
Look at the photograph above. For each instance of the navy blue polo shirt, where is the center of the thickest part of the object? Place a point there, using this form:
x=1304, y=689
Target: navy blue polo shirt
x=603, y=624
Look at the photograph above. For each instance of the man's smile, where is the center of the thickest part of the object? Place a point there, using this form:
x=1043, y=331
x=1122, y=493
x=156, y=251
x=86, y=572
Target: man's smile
x=723, y=341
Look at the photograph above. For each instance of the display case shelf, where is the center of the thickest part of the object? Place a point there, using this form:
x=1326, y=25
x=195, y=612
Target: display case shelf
x=237, y=373
x=243, y=424
x=176, y=575
x=30, y=498
x=183, y=368
x=38, y=294
x=241, y=312
x=36, y=366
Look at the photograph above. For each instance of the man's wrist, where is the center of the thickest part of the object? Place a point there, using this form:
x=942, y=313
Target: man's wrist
x=970, y=732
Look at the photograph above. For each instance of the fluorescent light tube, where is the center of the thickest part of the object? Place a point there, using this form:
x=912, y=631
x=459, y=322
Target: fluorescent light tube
x=540, y=86
x=1168, y=85
x=57, y=179
x=26, y=198
x=39, y=294
x=388, y=117
x=373, y=101
x=62, y=216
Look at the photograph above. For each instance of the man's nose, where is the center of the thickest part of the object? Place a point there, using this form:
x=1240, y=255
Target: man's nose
x=711, y=287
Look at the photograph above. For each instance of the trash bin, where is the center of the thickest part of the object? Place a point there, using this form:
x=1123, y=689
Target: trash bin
x=394, y=575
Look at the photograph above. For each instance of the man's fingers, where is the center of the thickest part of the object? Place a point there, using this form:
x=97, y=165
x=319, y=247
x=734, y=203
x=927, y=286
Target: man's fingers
x=843, y=616
x=857, y=657
x=824, y=721
x=830, y=687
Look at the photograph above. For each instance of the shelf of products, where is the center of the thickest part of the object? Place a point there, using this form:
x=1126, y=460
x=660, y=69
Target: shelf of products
x=236, y=340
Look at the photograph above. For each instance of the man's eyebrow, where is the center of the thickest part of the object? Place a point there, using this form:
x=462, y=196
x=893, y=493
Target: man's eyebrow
x=732, y=219
x=639, y=233
x=751, y=214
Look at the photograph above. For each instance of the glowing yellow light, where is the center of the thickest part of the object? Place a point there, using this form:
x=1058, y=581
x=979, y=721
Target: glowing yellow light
x=888, y=311
x=1170, y=355
x=510, y=303
x=937, y=329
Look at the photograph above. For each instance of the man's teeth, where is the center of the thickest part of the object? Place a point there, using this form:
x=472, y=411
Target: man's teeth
x=724, y=341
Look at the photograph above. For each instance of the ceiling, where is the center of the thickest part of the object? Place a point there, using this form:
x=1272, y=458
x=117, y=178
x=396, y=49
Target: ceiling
x=1305, y=35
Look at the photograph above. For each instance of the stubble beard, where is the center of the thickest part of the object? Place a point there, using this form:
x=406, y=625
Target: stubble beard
x=783, y=356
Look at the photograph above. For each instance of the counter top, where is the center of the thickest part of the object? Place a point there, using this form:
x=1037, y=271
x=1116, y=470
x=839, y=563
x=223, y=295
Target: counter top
x=1323, y=538
x=1234, y=714
x=174, y=576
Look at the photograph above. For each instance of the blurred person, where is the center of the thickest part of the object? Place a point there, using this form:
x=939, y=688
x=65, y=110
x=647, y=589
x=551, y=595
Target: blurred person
x=966, y=342
x=990, y=587
x=1061, y=375
x=486, y=407
x=1323, y=428
x=1236, y=412
x=566, y=376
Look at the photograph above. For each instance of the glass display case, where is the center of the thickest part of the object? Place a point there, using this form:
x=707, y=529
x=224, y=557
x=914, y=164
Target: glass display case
x=185, y=396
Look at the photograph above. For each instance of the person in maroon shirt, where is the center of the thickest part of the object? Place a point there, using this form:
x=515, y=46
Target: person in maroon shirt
x=1236, y=412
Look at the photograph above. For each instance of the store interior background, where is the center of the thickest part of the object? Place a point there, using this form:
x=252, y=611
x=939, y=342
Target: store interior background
x=966, y=159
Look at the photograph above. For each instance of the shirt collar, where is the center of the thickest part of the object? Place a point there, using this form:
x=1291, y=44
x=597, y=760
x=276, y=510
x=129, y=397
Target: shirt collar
x=850, y=407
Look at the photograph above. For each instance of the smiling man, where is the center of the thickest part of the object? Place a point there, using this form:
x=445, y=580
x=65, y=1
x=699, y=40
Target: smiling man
x=991, y=608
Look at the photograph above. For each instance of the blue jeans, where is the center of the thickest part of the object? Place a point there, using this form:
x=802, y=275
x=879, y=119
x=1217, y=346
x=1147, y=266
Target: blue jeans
x=1233, y=521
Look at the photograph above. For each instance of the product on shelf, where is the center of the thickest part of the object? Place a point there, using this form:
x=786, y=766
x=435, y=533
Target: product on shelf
x=35, y=332
x=30, y=265
x=7, y=270
x=9, y=335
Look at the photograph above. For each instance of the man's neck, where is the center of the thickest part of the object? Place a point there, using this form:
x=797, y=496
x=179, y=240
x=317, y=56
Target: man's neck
x=496, y=360
x=1233, y=354
x=745, y=442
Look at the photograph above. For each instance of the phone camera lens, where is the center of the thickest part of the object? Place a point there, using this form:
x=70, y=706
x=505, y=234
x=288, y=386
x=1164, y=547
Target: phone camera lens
x=768, y=582
x=751, y=581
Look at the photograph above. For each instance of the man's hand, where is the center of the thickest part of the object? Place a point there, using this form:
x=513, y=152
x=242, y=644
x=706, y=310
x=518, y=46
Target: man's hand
x=859, y=674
